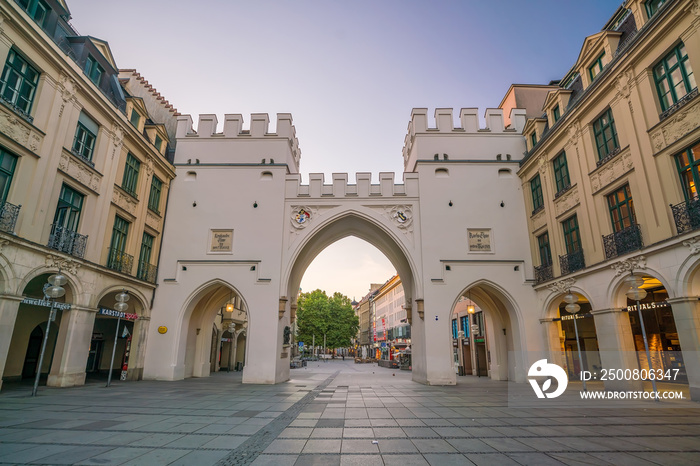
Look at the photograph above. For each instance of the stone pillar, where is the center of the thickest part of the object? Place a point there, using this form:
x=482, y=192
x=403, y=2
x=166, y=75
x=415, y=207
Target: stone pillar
x=616, y=346
x=9, y=305
x=138, y=348
x=686, y=313
x=72, y=347
x=552, y=332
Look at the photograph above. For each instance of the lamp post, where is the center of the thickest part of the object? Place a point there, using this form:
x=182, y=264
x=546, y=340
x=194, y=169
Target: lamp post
x=120, y=306
x=54, y=291
x=573, y=308
x=460, y=356
x=471, y=310
x=635, y=293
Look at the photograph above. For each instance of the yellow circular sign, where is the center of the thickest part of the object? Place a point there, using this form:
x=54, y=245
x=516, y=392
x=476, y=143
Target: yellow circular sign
x=162, y=329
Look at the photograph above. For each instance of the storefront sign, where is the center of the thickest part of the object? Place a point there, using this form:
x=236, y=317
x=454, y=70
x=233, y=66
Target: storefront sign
x=221, y=241
x=44, y=303
x=479, y=239
x=113, y=313
x=646, y=306
x=571, y=317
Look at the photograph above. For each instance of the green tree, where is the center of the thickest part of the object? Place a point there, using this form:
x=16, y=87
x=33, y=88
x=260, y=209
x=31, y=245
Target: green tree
x=319, y=314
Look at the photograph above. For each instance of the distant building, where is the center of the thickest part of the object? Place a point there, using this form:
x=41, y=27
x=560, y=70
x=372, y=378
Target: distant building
x=391, y=328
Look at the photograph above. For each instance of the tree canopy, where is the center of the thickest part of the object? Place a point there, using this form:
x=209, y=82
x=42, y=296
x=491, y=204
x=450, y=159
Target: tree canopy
x=319, y=314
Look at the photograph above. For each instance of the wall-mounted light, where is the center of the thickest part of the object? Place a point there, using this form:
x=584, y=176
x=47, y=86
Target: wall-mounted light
x=184, y=268
x=436, y=317
x=450, y=204
x=194, y=204
x=503, y=204
x=255, y=205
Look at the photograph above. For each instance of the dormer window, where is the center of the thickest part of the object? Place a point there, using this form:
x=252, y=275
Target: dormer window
x=158, y=142
x=570, y=81
x=597, y=66
x=135, y=118
x=652, y=6
x=37, y=10
x=94, y=70
x=533, y=139
x=556, y=114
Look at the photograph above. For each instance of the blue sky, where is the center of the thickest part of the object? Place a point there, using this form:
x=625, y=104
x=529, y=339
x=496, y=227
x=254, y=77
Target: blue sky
x=349, y=72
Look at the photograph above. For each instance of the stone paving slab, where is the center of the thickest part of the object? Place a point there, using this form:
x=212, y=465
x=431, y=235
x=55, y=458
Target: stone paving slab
x=338, y=413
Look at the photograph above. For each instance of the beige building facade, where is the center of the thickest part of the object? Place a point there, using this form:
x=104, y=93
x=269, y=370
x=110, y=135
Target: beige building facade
x=609, y=181
x=85, y=173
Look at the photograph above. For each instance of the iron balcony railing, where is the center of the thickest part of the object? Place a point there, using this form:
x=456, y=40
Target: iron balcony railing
x=147, y=272
x=8, y=217
x=621, y=242
x=687, y=215
x=120, y=261
x=543, y=273
x=66, y=240
x=570, y=263
x=680, y=103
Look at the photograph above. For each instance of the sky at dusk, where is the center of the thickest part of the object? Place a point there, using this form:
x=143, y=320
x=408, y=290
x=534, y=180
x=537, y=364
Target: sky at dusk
x=348, y=72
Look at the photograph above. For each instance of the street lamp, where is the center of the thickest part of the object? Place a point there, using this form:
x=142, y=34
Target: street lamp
x=572, y=308
x=636, y=293
x=471, y=310
x=120, y=306
x=54, y=291
x=460, y=356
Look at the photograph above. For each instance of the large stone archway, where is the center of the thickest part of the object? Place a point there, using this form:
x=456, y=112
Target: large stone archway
x=246, y=218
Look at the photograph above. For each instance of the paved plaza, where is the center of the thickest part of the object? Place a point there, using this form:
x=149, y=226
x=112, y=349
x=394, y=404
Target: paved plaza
x=333, y=413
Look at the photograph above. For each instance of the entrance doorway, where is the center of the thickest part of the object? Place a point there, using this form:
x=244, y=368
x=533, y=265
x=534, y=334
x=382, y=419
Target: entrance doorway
x=33, y=351
x=587, y=339
x=662, y=335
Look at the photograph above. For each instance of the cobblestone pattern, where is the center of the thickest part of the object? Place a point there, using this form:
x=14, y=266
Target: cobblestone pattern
x=249, y=450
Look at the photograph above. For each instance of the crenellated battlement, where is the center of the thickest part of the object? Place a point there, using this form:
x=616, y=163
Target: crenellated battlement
x=363, y=188
x=207, y=126
x=470, y=127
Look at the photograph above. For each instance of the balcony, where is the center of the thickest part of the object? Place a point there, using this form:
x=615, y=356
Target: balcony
x=147, y=272
x=120, y=261
x=8, y=217
x=626, y=240
x=677, y=106
x=687, y=215
x=570, y=263
x=543, y=273
x=67, y=241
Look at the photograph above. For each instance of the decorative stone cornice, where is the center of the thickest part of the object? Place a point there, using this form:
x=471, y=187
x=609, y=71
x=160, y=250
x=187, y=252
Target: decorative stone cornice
x=124, y=201
x=628, y=265
x=79, y=171
x=20, y=131
x=624, y=84
x=62, y=263
x=562, y=286
x=117, y=134
x=574, y=132
x=676, y=126
x=611, y=171
x=567, y=201
x=693, y=244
